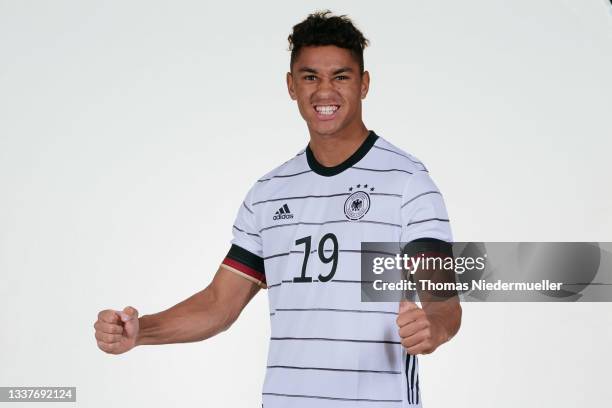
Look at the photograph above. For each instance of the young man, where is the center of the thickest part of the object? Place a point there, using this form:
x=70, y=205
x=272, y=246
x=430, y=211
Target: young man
x=298, y=233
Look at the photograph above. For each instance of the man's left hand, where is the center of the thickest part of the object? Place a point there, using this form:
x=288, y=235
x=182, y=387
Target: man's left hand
x=420, y=333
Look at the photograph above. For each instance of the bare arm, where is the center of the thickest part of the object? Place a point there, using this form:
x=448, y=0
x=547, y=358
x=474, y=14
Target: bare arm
x=198, y=317
x=202, y=315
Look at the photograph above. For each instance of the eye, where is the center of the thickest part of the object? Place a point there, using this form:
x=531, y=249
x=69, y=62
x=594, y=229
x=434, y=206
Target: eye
x=310, y=77
x=342, y=77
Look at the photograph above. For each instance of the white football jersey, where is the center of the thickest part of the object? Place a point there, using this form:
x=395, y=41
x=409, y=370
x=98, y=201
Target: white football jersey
x=298, y=233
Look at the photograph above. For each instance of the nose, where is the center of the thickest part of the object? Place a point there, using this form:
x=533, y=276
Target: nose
x=325, y=86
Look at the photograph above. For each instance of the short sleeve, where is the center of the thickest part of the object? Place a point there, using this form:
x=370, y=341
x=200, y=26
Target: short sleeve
x=245, y=256
x=423, y=211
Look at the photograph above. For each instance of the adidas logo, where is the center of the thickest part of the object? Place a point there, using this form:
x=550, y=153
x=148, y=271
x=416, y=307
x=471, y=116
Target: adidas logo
x=283, y=213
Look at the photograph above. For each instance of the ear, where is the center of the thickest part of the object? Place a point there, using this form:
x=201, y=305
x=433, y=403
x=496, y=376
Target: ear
x=365, y=84
x=290, y=86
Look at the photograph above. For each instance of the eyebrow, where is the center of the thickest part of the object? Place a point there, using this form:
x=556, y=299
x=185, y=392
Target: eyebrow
x=336, y=72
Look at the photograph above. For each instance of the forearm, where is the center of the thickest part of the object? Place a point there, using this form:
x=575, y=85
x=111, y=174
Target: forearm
x=197, y=318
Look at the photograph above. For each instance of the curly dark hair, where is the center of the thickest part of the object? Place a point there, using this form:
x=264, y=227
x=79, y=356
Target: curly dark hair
x=323, y=28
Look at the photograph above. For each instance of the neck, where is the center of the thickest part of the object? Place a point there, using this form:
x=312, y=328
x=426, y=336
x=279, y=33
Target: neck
x=332, y=149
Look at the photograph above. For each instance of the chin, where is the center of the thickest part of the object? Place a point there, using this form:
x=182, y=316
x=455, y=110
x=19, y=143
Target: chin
x=325, y=128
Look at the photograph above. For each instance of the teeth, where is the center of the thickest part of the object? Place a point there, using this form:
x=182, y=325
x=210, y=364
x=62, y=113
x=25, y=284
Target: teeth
x=326, y=109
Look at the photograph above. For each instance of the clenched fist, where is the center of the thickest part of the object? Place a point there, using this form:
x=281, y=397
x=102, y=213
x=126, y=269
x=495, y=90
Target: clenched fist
x=419, y=333
x=116, y=331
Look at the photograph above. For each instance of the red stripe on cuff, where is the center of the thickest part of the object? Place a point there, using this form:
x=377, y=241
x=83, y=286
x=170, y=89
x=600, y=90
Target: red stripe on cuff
x=245, y=269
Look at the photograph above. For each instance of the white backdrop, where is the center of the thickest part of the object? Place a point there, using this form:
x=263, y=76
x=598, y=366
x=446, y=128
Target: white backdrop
x=130, y=132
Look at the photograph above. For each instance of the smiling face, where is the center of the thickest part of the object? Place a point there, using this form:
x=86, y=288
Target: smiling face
x=327, y=84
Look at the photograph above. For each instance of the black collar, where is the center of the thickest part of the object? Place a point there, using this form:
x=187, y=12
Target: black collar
x=354, y=158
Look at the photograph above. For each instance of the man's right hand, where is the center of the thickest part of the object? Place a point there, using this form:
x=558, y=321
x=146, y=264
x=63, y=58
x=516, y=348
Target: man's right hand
x=116, y=331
